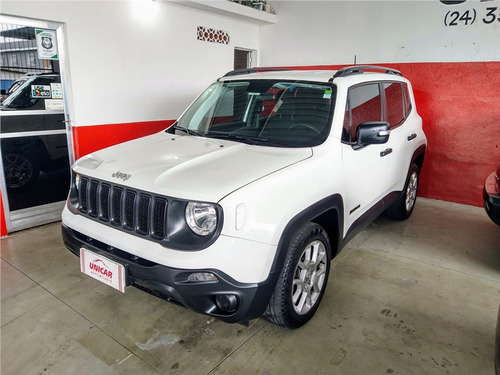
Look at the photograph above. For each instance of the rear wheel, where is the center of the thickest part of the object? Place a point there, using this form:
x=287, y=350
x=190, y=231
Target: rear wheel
x=303, y=279
x=403, y=208
x=21, y=171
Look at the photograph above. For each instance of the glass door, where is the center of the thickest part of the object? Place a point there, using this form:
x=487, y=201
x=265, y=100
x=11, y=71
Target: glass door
x=34, y=136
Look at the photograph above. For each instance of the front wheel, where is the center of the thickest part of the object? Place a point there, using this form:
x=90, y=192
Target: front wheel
x=302, y=280
x=403, y=207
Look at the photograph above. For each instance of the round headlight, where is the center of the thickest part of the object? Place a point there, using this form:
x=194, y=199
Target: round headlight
x=201, y=218
x=77, y=181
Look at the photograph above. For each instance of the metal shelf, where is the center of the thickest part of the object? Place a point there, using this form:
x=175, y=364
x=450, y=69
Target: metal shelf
x=231, y=9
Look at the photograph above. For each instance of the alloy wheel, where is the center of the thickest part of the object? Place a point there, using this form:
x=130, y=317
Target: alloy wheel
x=411, y=191
x=309, y=277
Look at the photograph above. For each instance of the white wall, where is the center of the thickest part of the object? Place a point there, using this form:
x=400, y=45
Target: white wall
x=333, y=32
x=126, y=68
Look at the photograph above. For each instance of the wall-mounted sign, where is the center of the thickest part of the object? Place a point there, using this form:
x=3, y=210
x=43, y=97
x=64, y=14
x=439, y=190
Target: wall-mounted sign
x=40, y=92
x=54, y=104
x=467, y=16
x=46, y=44
x=452, y=2
x=56, y=89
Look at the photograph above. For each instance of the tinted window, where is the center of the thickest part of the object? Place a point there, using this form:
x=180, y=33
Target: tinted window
x=263, y=112
x=363, y=104
x=31, y=94
x=395, y=105
x=407, y=99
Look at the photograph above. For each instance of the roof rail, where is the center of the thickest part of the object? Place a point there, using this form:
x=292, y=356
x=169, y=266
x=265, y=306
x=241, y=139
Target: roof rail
x=238, y=72
x=359, y=69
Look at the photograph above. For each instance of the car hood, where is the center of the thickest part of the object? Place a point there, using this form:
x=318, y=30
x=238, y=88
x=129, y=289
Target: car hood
x=187, y=167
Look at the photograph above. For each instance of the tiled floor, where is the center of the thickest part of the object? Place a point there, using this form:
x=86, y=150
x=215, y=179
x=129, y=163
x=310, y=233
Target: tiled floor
x=413, y=297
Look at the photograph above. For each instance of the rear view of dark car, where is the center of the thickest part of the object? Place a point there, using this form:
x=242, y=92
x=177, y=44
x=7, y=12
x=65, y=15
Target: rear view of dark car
x=26, y=109
x=491, y=195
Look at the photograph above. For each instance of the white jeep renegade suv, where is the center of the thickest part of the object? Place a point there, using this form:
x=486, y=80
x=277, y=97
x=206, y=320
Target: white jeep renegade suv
x=237, y=209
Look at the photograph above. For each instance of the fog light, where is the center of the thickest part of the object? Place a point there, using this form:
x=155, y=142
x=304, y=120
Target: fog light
x=226, y=302
x=202, y=276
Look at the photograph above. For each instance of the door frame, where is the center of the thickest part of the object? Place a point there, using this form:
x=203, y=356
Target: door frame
x=38, y=215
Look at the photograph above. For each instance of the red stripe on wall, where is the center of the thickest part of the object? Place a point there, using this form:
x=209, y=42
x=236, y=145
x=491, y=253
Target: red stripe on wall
x=3, y=225
x=87, y=139
x=460, y=107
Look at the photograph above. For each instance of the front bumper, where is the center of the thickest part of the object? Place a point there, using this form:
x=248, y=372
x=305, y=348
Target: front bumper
x=172, y=284
x=492, y=199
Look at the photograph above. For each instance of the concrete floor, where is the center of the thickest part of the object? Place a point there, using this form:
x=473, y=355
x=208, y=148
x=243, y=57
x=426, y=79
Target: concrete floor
x=413, y=297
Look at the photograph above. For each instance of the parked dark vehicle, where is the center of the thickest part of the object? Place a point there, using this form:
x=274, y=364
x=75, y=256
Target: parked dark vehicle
x=491, y=195
x=27, y=109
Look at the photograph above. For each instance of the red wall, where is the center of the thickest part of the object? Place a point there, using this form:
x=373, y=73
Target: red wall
x=460, y=107
x=87, y=139
x=3, y=226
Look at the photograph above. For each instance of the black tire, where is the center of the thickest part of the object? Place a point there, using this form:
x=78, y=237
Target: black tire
x=303, y=279
x=403, y=208
x=21, y=171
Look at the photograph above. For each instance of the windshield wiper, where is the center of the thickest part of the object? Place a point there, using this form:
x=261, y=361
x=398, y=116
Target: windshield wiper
x=186, y=130
x=251, y=140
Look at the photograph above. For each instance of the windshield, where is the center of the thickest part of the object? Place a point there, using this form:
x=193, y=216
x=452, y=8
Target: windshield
x=28, y=94
x=264, y=112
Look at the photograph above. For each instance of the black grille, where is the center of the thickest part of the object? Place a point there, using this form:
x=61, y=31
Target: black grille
x=93, y=202
x=159, y=209
x=133, y=211
x=143, y=214
x=104, y=199
x=116, y=206
x=129, y=210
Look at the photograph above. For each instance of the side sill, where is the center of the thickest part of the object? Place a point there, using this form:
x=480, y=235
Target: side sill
x=370, y=215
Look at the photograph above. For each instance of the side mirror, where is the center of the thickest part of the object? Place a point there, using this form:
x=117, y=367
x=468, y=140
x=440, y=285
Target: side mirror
x=372, y=133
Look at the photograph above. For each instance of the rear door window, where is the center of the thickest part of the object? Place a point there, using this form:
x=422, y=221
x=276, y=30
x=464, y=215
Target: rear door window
x=395, y=105
x=363, y=104
x=398, y=102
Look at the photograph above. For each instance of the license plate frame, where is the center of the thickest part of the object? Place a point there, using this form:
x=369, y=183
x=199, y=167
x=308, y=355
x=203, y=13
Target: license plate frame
x=102, y=269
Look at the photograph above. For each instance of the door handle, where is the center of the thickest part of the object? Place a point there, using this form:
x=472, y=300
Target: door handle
x=386, y=152
x=412, y=136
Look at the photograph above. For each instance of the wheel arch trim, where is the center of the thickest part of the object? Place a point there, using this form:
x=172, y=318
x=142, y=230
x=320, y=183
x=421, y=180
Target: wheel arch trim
x=330, y=207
